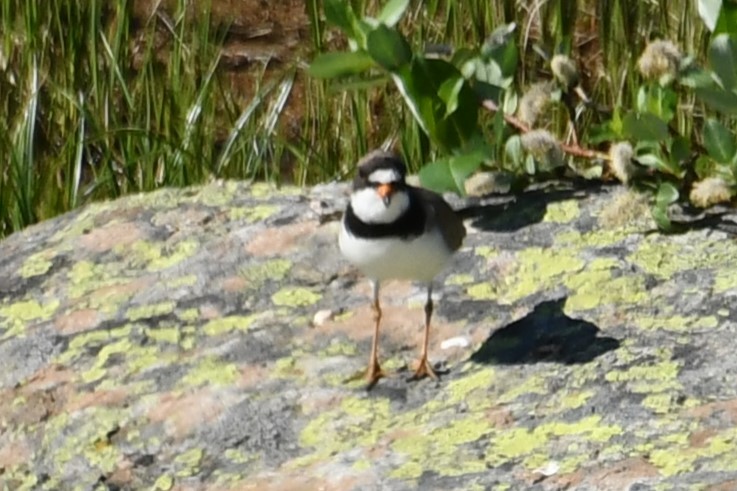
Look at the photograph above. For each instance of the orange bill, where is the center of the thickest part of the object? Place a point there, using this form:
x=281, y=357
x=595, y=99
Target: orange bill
x=385, y=190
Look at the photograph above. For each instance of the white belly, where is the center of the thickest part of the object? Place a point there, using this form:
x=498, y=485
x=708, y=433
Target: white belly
x=419, y=259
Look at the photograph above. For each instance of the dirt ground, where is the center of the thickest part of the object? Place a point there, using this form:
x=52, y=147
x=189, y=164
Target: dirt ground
x=263, y=36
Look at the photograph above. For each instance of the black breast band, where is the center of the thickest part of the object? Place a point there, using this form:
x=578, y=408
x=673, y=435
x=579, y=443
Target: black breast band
x=410, y=225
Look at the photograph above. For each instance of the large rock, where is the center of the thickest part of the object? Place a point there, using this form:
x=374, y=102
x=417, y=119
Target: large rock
x=201, y=338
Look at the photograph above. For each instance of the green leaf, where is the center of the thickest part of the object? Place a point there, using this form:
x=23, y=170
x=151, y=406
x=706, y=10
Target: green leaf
x=723, y=60
x=438, y=177
x=499, y=126
x=420, y=84
x=718, y=99
x=388, y=48
x=530, y=166
x=513, y=150
x=449, y=91
x=505, y=55
x=337, y=64
x=696, y=77
x=600, y=133
x=667, y=194
x=654, y=161
x=719, y=141
x=363, y=83
x=488, y=91
x=644, y=127
x=680, y=150
x=340, y=14
x=393, y=12
x=462, y=166
x=709, y=12
x=727, y=19
x=660, y=215
x=659, y=101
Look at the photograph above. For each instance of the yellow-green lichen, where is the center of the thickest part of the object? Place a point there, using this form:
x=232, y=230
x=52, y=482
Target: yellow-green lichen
x=539, y=269
x=36, y=264
x=648, y=379
x=98, y=371
x=15, y=317
x=339, y=348
x=110, y=290
x=210, y=371
x=271, y=270
x=528, y=445
x=660, y=403
x=164, y=483
x=85, y=436
x=357, y=421
x=677, y=322
x=189, y=461
x=287, y=368
x=189, y=315
x=664, y=259
x=295, y=297
x=482, y=291
x=156, y=256
x=146, y=357
x=459, y=279
x=534, y=384
x=572, y=400
x=81, y=273
x=217, y=194
x=253, y=213
x=562, y=211
x=594, y=287
x=85, y=339
x=238, y=456
x=227, y=324
x=459, y=390
x=83, y=221
x=165, y=334
x=187, y=280
x=264, y=190
x=724, y=280
x=486, y=252
x=149, y=311
x=716, y=455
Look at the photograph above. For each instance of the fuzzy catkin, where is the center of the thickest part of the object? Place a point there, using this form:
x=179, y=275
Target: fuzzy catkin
x=710, y=191
x=660, y=60
x=620, y=161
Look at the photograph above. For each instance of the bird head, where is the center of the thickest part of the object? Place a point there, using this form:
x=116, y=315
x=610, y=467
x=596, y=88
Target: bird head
x=379, y=189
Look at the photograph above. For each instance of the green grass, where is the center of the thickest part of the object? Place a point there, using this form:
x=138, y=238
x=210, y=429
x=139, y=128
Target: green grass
x=96, y=108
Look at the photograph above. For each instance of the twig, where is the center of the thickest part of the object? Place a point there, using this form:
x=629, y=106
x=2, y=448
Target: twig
x=575, y=150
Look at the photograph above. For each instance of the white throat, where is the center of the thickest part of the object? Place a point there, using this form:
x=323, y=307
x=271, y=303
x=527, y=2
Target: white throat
x=370, y=208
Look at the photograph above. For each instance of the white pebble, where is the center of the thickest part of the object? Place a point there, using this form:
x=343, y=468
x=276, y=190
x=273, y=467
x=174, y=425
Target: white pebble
x=456, y=342
x=322, y=316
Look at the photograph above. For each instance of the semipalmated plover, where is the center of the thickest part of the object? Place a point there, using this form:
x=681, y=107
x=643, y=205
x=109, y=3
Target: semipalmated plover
x=391, y=230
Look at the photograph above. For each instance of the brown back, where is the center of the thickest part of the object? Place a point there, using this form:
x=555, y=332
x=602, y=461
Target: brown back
x=439, y=212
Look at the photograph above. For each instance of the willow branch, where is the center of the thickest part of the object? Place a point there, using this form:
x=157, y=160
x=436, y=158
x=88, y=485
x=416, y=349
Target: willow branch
x=575, y=150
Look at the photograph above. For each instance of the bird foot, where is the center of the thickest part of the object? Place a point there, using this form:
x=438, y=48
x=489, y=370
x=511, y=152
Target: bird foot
x=424, y=369
x=372, y=375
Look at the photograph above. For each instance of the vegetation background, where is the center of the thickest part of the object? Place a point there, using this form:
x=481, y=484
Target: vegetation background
x=104, y=98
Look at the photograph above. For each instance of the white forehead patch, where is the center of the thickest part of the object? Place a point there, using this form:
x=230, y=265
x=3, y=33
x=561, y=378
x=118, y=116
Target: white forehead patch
x=384, y=176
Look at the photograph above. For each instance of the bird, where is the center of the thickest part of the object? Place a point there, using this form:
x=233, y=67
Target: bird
x=392, y=230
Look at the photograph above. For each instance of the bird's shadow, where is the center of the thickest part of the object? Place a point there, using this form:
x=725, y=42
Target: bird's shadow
x=546, y=334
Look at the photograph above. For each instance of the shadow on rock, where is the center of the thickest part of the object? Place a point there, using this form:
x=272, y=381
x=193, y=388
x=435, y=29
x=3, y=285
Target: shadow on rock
x=545, y=335
x=529, y=207
x=690, y=219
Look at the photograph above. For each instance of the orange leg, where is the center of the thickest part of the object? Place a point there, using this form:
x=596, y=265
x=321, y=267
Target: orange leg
x=374, y=373
x=424, y=369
